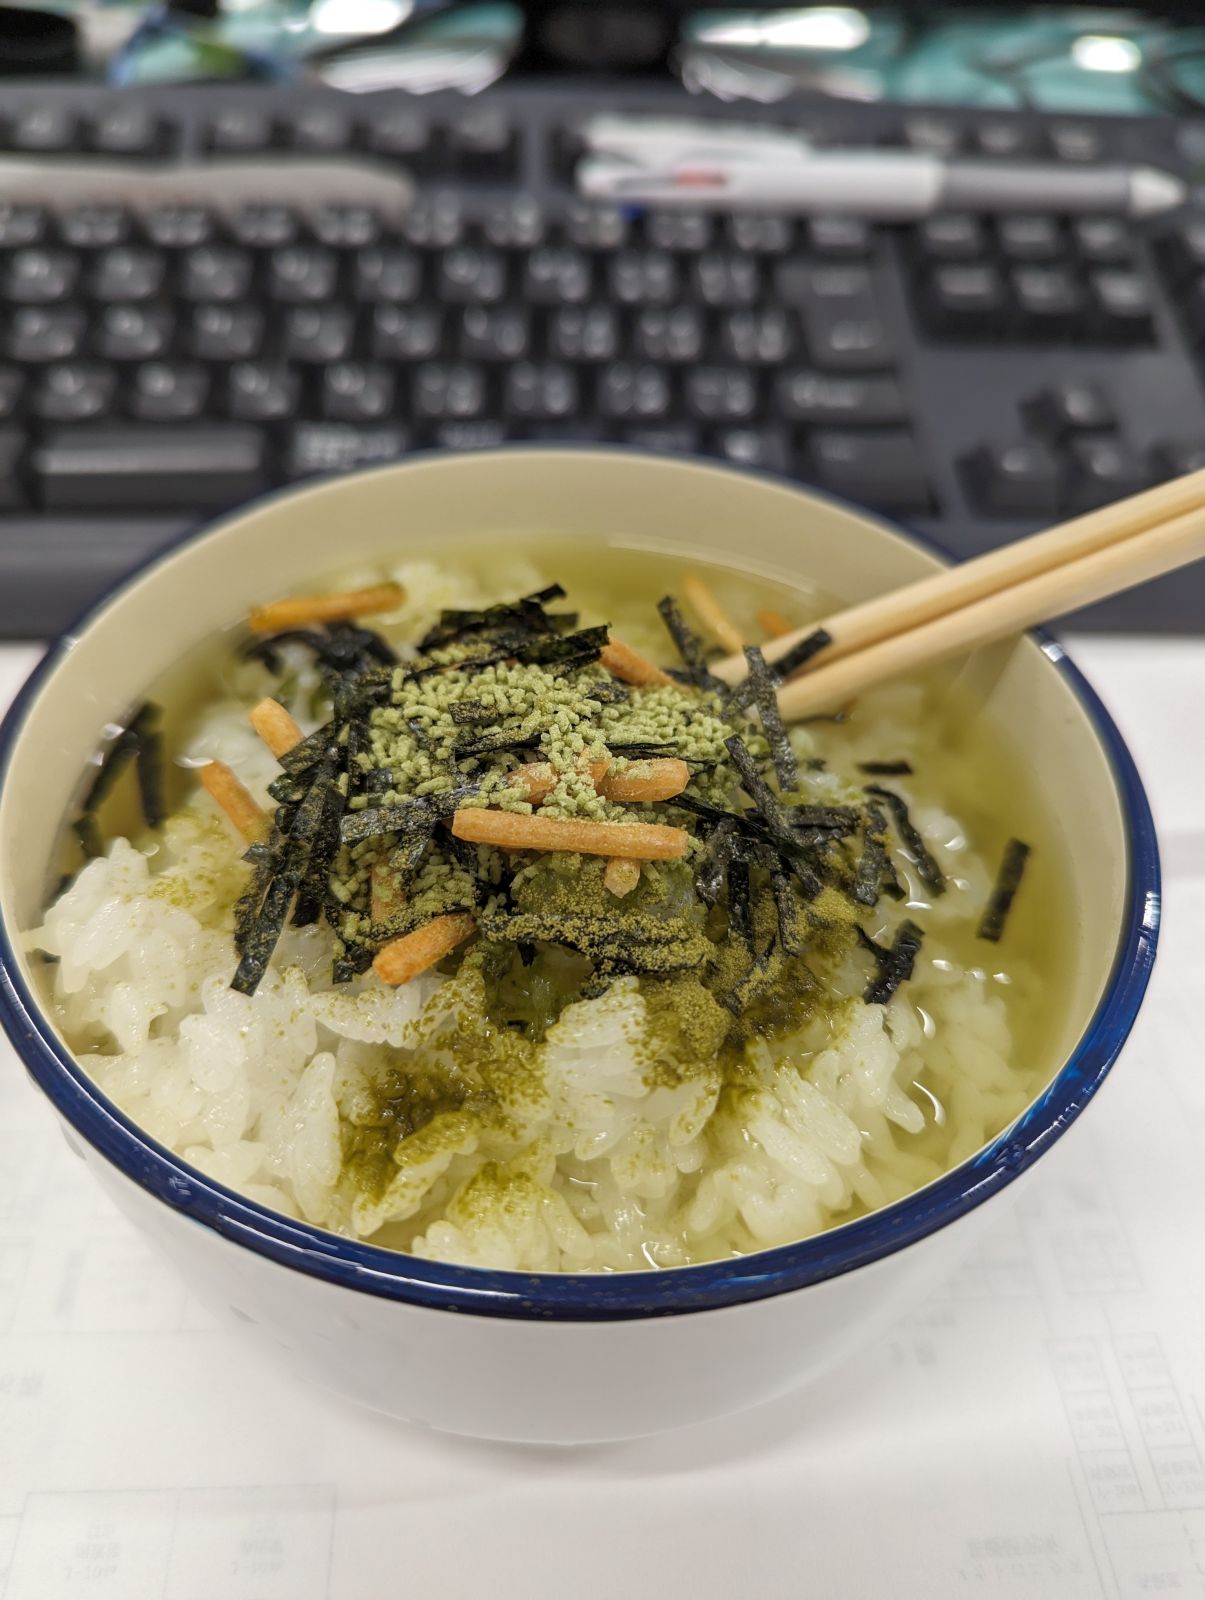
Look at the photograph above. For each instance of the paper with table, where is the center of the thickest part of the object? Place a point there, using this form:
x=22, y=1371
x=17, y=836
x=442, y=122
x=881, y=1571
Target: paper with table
x=1036, y=1429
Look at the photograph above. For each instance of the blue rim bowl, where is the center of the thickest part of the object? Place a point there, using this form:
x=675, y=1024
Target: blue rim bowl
x=581, y=1297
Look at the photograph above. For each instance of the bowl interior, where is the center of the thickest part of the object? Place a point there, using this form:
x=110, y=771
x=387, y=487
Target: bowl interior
x=606, y=499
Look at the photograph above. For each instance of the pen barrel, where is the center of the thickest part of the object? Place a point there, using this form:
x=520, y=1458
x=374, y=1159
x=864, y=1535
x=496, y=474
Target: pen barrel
x=1037, y=186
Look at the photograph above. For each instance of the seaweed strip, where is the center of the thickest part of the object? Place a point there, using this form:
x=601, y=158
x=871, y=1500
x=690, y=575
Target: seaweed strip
x=88, y=833
x=740, y=901
x=148, y=766
x=309, y=751
x=496, y=743
x=412, y=815
x=886, y=769
x=926, y=866
x=789, y=931
x=1008, y=881
x=721, y=849
x=690, y=647
x=895, y=963
x=467, y=712
x=262, y=934
x=608, y=694
x=640, y=751
x=577, y=649
x=350, y=964
x=870, y=871
x=765, y=695
x=800, y=654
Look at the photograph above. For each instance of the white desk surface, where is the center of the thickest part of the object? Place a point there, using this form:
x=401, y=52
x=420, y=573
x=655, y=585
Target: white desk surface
x=1036, y=1429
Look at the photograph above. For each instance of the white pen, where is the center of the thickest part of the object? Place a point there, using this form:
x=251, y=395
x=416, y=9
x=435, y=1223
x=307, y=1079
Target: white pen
x=888, y=185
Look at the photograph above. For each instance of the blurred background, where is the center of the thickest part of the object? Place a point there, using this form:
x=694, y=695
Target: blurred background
x=946, y=262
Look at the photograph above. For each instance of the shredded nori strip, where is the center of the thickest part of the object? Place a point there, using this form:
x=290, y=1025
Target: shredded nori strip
x=886, y=769
x=930, y=873
x=690, y=647
x=140, y=740
x=526, y=615
x=790, y=931
x=1008, y=881
x=608, y=694
x=576, y=649
x=495, y=743
x=417, y=815
x=800, y=654
x=310, y=750
x=262, y=934
x=764, y=687
x=467, y=712
x=895, y=963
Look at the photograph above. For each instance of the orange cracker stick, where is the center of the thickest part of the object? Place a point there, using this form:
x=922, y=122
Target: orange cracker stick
x=301, y=609
x=404, y=958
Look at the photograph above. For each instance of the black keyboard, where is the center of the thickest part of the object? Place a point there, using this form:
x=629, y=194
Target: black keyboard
x=973, y=377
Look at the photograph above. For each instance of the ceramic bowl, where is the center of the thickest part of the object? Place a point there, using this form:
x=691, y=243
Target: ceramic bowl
x=559, y=1357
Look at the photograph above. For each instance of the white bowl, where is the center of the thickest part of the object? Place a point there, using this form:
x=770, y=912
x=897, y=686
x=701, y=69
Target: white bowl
x=558, y=1357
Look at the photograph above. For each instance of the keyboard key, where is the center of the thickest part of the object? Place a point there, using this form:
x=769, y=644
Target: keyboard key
x=516, y=224
x=37, y=334
x=685, y=231
x=345, y=227
x=1047, y=297
x=584, y=333
x=952, y=236
x=21, y=225
x=596, y=227
x=163, y=392
x=495, y=333
x=1072, y=406
x=482, y=142
x=1025, y=237
x=321, y=447
x=135, y=333
x=1176, y=457
x=406, y=333
x=967, y=298
x=679, y=438
x=355, y=391
x=1076, y=141
x=226, y=333
x=264, y=227
x=451, y=392
x=73, y=393
x=842, y=327
x=1005, y=138
x=93, y=227
x=319, y=130
x=259, y=391
x=767, y=448
x=404, y=133
x=216, y=272
x=1102, y=470
x=558, y=275
x=127, y=130
x=847, y=237
x=633, y=393
x=13, y=492
x=179, y=227
x=149, y=468
x=1015, y=480
x=937, y=136
x=387, y=274
x=317, y=334
x=39, y=277
x=300, y=274
x=540, y=391
x=760, y=233
x=1122, y=302
x=764, y=338
x=127, y=274
x=470, y=435
x=1108, y=240
x=244, y=129
x=823, y=397
x=12, y=385
x=433, y=222
x=721, y=394
x=643, y=278
x=726, y=281
x=470, y=275
x=48, y=130
x=878, y=469
x=675, y=335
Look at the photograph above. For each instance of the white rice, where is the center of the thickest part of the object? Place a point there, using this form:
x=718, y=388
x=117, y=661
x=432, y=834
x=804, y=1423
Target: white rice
x=591, y=1162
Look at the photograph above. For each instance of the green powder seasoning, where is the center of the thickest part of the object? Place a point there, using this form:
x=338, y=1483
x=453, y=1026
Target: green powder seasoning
x=512, y=708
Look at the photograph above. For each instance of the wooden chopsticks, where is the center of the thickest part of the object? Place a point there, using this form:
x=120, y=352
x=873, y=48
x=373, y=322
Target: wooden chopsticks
x=993, y=596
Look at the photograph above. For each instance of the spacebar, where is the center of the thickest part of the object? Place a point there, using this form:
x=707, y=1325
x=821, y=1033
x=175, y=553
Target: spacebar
x=162, y=469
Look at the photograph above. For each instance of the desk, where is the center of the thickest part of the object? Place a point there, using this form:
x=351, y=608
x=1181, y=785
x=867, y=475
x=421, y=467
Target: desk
x=1035, y=1431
